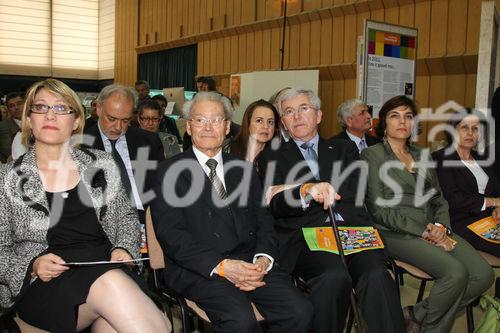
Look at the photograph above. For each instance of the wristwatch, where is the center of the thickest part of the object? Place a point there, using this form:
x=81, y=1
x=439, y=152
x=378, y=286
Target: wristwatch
x=448, y=230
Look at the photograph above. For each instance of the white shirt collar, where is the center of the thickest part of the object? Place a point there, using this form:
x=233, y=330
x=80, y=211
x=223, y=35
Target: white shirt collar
x=203, y=158
x=355, y=138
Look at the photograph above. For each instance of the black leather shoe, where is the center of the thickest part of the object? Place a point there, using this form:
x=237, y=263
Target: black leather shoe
x=412, y=324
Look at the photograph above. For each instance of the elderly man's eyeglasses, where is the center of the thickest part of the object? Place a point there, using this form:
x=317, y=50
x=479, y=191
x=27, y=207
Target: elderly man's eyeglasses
x=59, y=109
x=152, y=119
x=201, y=121
x=290, y=112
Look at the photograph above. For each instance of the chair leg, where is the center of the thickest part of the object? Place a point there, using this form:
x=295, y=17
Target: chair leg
x=401, y=278
x=421, y=290
x=350, y=321
x=470, y=318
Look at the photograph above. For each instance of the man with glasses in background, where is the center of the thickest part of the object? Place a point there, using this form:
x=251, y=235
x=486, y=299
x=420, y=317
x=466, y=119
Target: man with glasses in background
x=149, y=119
x=133, y=148
x=221, y=250
x=9, y=127
x=312, y=163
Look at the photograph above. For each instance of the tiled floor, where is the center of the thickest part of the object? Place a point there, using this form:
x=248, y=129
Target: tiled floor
x=408, y=296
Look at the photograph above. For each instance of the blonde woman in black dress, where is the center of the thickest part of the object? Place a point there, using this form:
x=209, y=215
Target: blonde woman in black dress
x=62, y=204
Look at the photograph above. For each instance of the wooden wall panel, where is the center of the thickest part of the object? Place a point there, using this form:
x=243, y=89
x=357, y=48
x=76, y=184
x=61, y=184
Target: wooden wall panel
x=275, y=48
x=246, y=35
x=258, y=49
x=337, y=40
x=325, y=40
x=422, y=23
x=234, y=54
x=314, y=40
x=457, y=27
x=350, y=38
x=266, y=49
x=304, y=44
x=439, y=28
x=407, y=15
x=250, y=50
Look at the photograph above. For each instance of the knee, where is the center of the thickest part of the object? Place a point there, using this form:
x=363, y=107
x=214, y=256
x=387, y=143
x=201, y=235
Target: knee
x=334, y=279
x=241, y=317
x=300, y=312
x=457, y=275
x=485, y=277
x=376, y=275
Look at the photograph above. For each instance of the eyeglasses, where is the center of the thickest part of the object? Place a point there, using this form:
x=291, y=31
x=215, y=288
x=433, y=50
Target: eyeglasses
x=152, y=119
x=59, y=109
x=200, y=121
x=290, y=112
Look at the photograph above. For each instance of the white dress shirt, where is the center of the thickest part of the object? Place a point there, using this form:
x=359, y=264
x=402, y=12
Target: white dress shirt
x=219, y=170
x=122, y=148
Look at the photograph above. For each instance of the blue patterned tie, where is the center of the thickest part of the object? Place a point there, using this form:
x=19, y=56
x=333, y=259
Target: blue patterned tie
x=362, y=145
x=311, y=158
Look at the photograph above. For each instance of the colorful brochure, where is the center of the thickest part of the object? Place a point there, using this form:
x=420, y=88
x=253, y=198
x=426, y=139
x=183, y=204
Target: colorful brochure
x=487, y=229
x=354, y=239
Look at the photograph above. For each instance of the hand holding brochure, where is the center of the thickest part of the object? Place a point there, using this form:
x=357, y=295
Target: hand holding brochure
x=93, y=263
x=354, y=239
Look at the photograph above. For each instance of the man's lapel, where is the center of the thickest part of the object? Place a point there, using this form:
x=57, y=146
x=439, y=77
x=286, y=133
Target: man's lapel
x=293, y=156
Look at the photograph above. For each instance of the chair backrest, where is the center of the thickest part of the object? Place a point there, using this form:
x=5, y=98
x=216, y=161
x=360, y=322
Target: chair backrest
x=156, y=259
x=490, y=259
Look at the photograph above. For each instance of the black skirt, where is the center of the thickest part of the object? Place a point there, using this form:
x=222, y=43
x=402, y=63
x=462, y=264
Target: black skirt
x=76, y=236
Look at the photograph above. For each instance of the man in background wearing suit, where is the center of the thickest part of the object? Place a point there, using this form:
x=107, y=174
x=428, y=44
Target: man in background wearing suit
x=133, y=148
x=310, y=161
x=10, y=126
x=355, y=120
x=221, y=250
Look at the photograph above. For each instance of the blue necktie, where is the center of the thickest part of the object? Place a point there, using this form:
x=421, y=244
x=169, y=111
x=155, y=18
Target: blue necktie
x=362, y=145
x=311, y=158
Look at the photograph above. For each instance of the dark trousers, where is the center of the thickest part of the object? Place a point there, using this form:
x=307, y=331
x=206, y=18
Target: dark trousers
x=285, y=308
x=330, y=283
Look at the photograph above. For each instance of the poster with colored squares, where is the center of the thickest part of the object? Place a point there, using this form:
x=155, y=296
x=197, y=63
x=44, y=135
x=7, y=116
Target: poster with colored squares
x=389, y=70
x=388, y=44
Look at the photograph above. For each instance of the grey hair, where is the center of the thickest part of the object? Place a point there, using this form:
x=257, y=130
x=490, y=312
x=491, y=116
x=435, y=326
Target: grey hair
x=286, y=94
x=112, y=89
x=211, y=96
x=345, y=110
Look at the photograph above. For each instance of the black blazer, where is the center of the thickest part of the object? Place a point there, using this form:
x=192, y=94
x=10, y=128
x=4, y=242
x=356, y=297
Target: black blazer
x=197, y=234
x=136, y=138
x=459, y=187
x=291, y=219
x=370, y=140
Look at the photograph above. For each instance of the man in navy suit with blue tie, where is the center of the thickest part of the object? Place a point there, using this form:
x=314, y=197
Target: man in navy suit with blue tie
x=315, y=165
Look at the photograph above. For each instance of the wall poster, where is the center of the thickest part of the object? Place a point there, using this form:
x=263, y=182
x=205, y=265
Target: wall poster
x=389, y=70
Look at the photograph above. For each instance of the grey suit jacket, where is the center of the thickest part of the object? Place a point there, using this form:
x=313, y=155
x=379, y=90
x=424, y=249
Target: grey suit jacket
x=410, y=213
x=24, y=214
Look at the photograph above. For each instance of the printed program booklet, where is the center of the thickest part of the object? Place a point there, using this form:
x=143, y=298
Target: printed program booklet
x=354, y=239
x=487, y=229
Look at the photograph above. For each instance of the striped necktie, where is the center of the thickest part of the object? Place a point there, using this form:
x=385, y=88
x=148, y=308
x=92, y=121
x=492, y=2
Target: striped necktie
x=215, y=180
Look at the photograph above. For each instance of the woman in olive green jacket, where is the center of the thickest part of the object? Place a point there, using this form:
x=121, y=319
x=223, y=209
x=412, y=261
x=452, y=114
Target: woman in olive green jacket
x=407, y=204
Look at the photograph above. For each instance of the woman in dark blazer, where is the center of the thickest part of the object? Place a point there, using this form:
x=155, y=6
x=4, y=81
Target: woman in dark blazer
x=469, y=184
x=61, y=204
x=408, y=207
